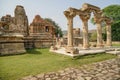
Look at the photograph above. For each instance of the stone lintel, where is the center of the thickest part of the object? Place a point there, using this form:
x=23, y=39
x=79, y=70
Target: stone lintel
x=107, y=20
x=87, y=6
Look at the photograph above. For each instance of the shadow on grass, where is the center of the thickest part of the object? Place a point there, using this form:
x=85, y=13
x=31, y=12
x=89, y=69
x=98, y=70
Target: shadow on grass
x=33, y=51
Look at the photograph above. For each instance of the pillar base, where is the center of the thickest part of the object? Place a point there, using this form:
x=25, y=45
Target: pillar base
x=100, y=45
x=52, y=48
x=72, y=50
x=85, y=46
x=109, y=45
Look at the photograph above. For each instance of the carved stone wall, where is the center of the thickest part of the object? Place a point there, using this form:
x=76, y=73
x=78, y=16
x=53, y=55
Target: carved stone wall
x=17, y=24
x=76, y=32
x=11, y=45
x=21, y=20
x=40, y=27
x=41, y=33
x=33, y=42
x=77, y=39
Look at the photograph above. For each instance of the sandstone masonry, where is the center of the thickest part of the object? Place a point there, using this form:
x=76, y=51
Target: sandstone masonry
x=16, y=35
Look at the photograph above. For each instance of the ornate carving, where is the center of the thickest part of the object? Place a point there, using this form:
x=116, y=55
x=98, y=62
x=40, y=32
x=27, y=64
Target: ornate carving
x=84, y=14
x=108, y=29
x=98, y=17
x=107, y=20
x=85, y=17
x=90, y=8
x=21, y=20
x=76, y=32
x=70, y=13
x=17, y=24
x=40, y=26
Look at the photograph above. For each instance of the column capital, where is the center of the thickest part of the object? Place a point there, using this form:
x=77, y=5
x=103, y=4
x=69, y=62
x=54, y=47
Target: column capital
x=85, y=17
x=97, y=17
x=69, y=14
x=109, y=22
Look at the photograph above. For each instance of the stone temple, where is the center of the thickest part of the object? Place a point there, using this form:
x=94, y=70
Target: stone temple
x=16, y=35
x=18, y=23
x=84, y=14
x=40, y=27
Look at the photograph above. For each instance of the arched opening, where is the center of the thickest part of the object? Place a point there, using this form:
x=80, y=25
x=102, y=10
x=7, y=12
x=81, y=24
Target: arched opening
x=46, y=29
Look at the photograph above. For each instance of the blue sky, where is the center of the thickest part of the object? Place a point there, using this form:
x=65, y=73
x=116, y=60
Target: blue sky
x=52, y=9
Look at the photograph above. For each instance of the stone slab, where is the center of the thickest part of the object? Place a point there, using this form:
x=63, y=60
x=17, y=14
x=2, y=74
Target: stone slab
x=81, y=52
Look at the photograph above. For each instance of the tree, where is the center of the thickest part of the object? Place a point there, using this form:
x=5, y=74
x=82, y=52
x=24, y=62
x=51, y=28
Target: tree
x=112, y=11
x=92, y=21
x=116, y=31
x=58, y=31
x=93, y=36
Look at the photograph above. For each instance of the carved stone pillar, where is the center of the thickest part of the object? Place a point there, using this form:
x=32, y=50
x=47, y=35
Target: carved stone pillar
x=70, y=32
x=98, y=20
x=84, y=19
x=108, y=30
x=70, y=15
x=70, y=28
x=99, y=35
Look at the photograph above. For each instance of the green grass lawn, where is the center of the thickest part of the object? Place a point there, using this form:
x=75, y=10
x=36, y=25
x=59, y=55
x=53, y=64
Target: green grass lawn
x=116, y=45
x=38, y=61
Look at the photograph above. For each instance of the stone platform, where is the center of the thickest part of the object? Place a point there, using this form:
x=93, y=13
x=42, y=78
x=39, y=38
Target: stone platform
x=10, y=45
x=111, y=50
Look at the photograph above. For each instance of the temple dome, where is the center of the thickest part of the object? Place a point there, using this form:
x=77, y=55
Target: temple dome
x=37, y=19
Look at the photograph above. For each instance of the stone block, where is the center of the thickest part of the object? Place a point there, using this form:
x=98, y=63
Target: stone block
x=52, y=48
x=11, y=46
x=72, y=50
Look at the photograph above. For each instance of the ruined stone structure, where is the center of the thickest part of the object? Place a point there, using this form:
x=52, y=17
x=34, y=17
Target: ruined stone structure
x=5, y=24
x=40, y=27
x=11, y=45
x=76, y=32
x=84, y=13
x=17, y=24
x=41, y=34
x=77, y=39
x=13, y=30
x=21, y=20
x=16, y=35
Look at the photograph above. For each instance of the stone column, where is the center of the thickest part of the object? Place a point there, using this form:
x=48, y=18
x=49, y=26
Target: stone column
x=70, y=49
x=98, y=20
x=84, y=19
x=70, y=32
x=70, y=28
x=99, y=35
x=108, y=30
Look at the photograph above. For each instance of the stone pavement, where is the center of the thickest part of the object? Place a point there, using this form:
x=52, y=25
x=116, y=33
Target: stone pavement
x=105, y=70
